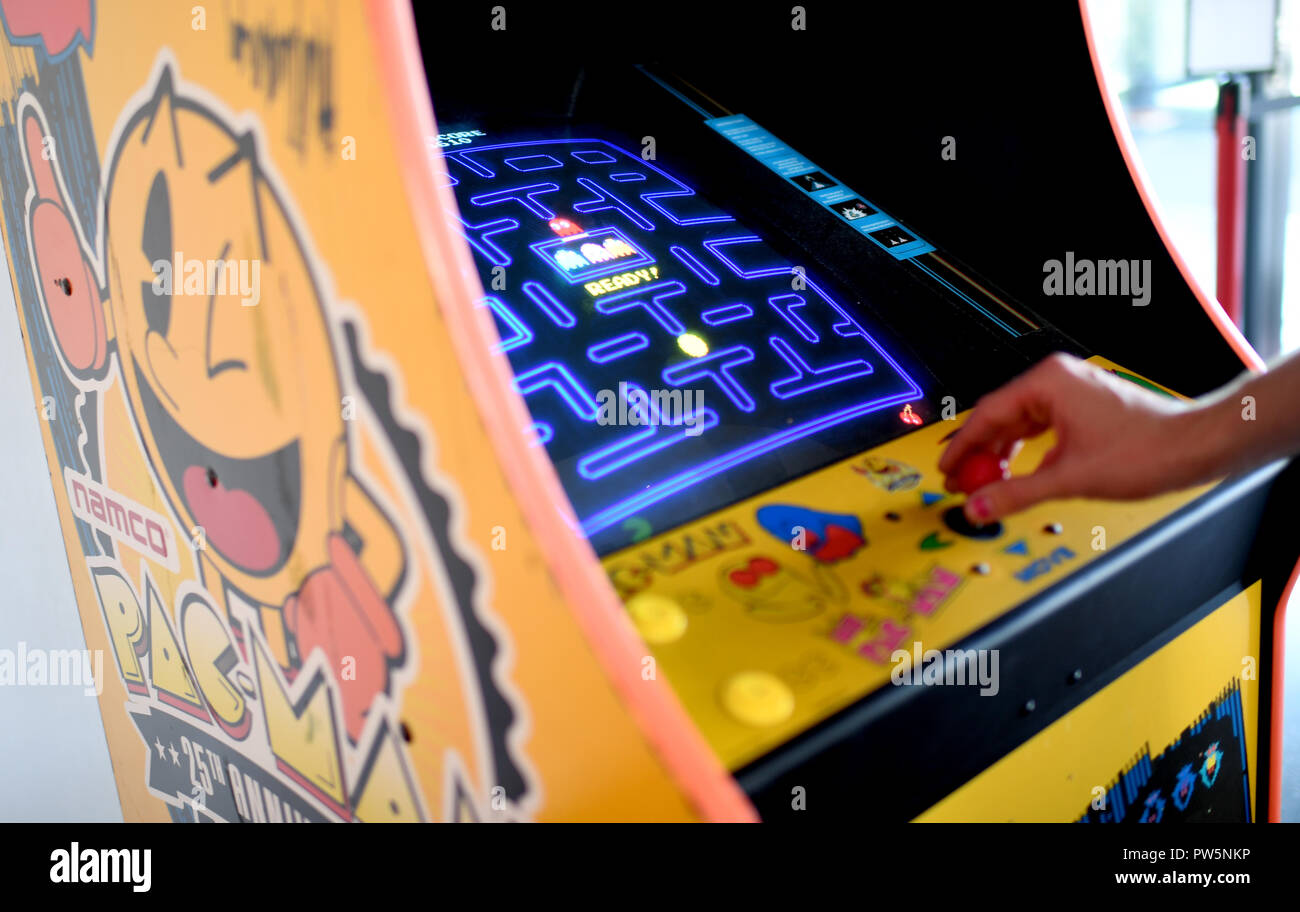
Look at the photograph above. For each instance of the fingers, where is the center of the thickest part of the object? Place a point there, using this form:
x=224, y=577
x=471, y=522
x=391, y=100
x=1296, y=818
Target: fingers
x=998, y=421
x=1006, y=452
x=1002, y=498
x=992, y=417
x=1021, y=409
x=1052, y=458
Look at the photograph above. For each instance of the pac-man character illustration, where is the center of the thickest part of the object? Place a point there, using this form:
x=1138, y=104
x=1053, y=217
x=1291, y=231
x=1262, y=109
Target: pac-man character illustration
x=828, y=537
x=249, y=447
x=777, y=594
x=888, y=474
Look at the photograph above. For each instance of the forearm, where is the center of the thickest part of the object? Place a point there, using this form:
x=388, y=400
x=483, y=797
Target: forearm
x=1248, y=423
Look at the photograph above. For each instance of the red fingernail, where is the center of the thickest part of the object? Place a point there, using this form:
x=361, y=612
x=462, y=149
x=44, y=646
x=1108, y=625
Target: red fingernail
x=980, y=507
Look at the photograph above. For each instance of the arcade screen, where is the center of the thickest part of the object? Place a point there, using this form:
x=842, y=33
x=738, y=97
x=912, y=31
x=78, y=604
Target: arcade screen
x=779, y=260
x=672, y=360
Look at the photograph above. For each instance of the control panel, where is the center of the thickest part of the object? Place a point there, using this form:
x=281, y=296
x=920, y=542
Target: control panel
x=776, y=612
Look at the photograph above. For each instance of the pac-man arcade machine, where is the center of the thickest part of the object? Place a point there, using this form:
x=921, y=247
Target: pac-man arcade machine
x=781, y=280
x=573, y=457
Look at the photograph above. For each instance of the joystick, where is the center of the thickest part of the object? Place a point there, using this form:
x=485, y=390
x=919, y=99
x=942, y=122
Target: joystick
x=979, y=468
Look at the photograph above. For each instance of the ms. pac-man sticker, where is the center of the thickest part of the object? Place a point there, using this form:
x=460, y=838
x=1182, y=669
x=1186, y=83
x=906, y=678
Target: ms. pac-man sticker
x=774, y=593
x=827, y=537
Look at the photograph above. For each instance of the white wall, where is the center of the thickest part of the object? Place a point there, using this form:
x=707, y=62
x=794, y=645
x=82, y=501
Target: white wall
x=54, y=761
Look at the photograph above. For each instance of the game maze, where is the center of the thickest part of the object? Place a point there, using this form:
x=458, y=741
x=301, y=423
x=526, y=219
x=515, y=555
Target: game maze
x=605, y=273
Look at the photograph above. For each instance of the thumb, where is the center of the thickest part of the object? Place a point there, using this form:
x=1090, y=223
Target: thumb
x=1002, y=498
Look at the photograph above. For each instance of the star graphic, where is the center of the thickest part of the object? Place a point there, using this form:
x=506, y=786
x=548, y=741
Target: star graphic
x=158, y=744
x=176, y=757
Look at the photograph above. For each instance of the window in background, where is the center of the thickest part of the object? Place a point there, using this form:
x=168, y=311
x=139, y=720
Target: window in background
x=1142, y=45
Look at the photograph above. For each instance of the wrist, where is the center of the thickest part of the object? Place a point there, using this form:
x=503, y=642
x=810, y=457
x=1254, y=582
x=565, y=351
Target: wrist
x=1208, y=438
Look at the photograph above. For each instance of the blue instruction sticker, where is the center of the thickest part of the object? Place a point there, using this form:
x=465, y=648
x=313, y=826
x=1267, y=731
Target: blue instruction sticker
x=847, y=205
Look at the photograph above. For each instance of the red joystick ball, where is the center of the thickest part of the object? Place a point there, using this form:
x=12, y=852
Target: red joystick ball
x=980, y=467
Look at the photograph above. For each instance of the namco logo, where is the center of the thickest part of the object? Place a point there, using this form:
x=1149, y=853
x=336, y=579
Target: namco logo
x=130, y=523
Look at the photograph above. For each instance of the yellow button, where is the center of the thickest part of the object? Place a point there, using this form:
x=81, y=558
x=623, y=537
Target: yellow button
x=657, y=618
x=757, y=698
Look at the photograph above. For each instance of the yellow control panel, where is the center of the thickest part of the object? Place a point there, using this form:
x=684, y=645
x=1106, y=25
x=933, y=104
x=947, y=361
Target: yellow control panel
x=777, y=611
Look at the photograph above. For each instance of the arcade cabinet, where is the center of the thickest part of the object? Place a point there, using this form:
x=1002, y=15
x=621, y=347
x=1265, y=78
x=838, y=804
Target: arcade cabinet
x=746, y=314
x=480, y=412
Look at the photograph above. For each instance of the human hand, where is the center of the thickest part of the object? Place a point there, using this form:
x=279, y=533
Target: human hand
x=1114, y=439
